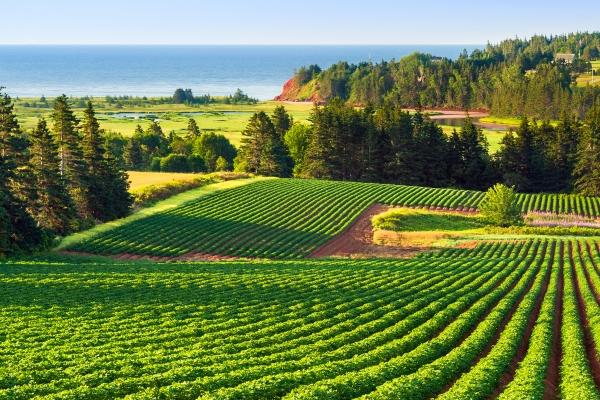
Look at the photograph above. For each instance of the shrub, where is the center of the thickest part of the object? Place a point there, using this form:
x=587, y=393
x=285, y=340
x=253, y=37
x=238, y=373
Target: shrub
x=500, y=207
x=155, y=164
x=197, y=164
x=221, y=164
x=174, y=163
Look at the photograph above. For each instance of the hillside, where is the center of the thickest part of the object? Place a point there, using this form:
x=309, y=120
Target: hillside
x=513, y=78
x=281, y=218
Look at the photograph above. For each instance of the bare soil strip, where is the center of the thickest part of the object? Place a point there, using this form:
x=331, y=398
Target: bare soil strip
x=508, y=376
x=357, y=239
x=588, y=341
x=502, y=325
x=553, y=373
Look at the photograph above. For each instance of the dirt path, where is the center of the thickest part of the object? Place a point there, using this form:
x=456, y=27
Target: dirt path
x=357, y=240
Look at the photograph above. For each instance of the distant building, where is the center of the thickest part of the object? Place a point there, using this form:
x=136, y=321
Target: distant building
x=567, y=58
x=436, y=58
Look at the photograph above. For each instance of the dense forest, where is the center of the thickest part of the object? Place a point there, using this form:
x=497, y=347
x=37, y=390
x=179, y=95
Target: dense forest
x=55, y=180
x=513, y=78
x=387, y=144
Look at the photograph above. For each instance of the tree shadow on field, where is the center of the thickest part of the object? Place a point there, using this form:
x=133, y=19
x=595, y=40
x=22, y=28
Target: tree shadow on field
x=172, y=234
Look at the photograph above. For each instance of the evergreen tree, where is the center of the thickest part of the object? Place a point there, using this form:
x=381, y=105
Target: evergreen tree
x=319, y=153
x=398, y=144
x=72, y=165
x=587, y=168
x=262, y=150
x=133, y=157
x=18, y=231
x=55, y=208
x=14, y=147
x=282, y=121
x=372, y=152
x=193, y=130
x=107, y=195
x=473, y=169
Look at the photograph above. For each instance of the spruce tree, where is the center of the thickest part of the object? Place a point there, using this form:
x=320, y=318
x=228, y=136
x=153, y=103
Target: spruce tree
x=262, y=150
x=193, y=130
x=587, y=168
x=55, y=209
x=73, y=168
x=14, y=147
x=107, y=190
x=133, y=156
x=282, y=121
x=318, y=156
x=19, y=233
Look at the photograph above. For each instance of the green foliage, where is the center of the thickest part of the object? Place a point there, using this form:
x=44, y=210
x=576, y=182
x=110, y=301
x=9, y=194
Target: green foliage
x=174, y=163
x=197, y=164
x=155, y=164
x=587, y=168
x=210, y=146
x=410, y=220
x=512, y=78
x=222, y=164
x=500, y=207
x=297, y=139
x=262, y=150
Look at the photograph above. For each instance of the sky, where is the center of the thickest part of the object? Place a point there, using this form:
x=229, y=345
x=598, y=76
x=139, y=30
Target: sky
x=222, y=22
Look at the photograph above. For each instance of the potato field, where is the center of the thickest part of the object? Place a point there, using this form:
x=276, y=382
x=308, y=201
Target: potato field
x=516, y=319
x=288, y=218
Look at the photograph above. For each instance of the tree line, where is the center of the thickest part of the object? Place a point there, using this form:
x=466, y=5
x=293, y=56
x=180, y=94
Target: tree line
x=55, y=180
x=513, y=78
x=387, y=144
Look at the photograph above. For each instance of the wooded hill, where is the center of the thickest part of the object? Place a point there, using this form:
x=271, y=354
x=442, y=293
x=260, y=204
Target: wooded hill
x=513, y=78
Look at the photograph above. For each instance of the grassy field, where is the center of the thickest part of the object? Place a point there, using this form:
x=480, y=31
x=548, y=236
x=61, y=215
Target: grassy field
x=139, y=179
x=586, y=78
x=214, y=119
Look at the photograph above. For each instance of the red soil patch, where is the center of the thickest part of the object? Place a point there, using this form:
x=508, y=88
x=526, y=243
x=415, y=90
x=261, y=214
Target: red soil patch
x=357, y=239
x=483, y=317
x=508, y=376
x=553, y=373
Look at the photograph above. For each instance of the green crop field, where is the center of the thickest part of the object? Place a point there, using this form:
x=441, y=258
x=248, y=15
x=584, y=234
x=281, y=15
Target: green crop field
x=459, y=323
x=285, y=218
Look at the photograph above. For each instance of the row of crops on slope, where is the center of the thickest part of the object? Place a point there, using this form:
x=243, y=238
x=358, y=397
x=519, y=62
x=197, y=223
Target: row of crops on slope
x=282, y=218
x=453, y=324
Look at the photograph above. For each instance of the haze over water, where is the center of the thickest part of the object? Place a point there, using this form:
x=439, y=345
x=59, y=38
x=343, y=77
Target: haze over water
x=260, y=71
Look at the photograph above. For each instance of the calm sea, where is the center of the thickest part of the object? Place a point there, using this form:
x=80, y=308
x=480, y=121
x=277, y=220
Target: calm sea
x=260, y=71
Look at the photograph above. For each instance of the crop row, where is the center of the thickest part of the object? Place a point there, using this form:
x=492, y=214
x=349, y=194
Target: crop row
x=285, y=218
x=448, y=325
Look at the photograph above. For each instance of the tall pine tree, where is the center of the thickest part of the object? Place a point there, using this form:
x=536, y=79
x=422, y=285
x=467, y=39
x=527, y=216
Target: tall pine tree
x=55, y=209
x=14, y=147
x=73, y=168
x=587, y=168
x=107, y=195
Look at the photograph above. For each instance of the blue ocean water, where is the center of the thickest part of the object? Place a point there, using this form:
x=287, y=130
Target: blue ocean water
x=260, y=71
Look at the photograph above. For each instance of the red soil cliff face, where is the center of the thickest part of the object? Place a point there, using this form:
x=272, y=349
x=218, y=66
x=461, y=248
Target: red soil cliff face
x=290, y=93
x=288, y=88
